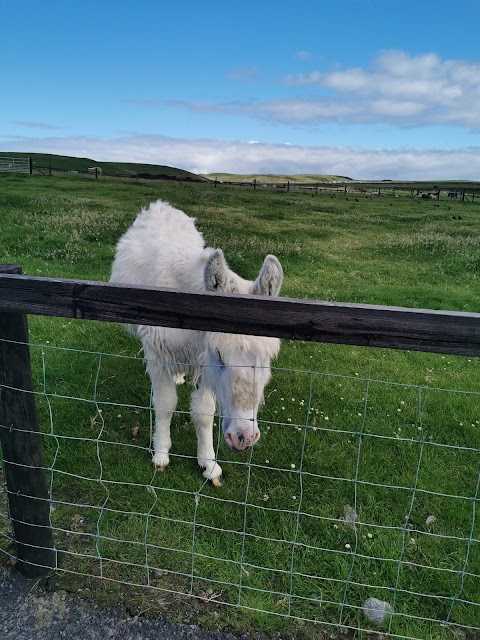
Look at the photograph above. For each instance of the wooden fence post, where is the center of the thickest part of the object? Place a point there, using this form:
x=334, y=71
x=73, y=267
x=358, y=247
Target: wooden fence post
x=21, y=442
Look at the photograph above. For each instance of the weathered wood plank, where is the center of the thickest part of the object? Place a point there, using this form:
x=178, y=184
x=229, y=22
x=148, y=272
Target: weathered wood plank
x=356, y=324
x=21, y=443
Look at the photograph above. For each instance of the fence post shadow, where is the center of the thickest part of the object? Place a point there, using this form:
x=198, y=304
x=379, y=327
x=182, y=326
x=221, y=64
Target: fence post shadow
x=21, y=442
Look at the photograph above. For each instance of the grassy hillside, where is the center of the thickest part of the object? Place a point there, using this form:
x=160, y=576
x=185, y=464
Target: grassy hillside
x=275, y=178
x=393, y=435
x=67, y=163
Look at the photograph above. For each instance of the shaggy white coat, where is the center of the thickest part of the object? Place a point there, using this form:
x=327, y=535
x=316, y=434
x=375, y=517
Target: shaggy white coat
x=164, y=249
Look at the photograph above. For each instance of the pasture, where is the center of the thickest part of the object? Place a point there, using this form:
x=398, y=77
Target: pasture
x=391, y=437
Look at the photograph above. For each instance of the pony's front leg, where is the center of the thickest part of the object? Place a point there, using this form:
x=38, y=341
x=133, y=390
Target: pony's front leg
x=202, y=411
x=164, y=393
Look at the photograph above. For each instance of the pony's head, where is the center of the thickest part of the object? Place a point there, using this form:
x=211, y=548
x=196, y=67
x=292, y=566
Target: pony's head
x=238, y=366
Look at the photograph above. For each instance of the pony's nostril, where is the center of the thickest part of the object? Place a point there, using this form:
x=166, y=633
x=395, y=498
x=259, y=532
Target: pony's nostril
x=229, y=441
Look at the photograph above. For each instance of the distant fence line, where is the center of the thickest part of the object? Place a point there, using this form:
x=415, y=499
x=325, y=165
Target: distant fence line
x=98, y=172
x=15, y=165
x=454, y=190
x=427, y=190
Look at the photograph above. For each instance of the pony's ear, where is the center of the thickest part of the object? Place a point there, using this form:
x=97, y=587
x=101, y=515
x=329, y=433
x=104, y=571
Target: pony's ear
x=269, y=279
x=216, y=272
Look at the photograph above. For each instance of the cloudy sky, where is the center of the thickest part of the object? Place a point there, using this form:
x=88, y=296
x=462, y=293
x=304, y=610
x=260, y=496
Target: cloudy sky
x=369, y=89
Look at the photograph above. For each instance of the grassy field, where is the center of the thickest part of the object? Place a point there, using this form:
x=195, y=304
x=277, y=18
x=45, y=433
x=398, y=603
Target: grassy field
x=394, y=435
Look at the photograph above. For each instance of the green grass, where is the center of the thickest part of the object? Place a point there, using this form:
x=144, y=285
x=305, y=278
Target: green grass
x=351, y=447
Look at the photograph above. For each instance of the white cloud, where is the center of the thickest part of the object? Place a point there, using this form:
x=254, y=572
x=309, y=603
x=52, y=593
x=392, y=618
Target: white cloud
x=397, y=89
x=207, y=156
x=427, y=89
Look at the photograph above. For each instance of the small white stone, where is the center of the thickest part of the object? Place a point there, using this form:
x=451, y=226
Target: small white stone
x=377, y=611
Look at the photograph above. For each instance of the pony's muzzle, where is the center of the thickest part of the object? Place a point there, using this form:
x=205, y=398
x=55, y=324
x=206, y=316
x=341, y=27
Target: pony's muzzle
x=241, y=435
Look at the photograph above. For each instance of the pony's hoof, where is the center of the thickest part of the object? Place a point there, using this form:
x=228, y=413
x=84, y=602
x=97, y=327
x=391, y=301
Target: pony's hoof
x=160, y=461
x=219, y=481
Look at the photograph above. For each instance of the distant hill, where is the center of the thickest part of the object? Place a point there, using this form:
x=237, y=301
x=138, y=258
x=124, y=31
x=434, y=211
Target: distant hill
x=68, y=163
x=270, y=177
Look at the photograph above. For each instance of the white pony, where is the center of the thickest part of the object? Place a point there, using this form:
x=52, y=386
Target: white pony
x=163, y=248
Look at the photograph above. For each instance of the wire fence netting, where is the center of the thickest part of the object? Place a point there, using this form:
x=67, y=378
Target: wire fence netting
x=358, y=488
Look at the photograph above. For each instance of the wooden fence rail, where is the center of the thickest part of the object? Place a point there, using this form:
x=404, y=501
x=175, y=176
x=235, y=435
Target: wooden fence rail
x=341, y=323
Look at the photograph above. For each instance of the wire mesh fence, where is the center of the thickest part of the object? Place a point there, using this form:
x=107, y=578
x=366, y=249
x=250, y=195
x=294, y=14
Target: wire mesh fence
x=358, y=488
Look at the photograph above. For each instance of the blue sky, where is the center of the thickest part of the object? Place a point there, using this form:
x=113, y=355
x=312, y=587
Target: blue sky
x=369, y=89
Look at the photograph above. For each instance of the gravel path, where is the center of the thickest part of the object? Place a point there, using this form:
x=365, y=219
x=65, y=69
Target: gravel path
x=27, y=612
